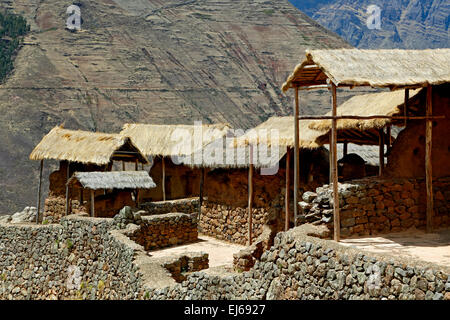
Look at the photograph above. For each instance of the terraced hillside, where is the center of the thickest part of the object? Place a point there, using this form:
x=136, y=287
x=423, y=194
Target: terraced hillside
x=152, y=61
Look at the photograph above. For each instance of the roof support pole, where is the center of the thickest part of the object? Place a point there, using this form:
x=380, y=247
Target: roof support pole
x=250, y=197
x=330, y=159
x=428, y=163
x=136, y=168
x=336, y=215
x=296, y=154
x=288, y=185
x=92, y=203
x=39, y=192
x=405, y=108
x=67, y=188
x=381, y=152
x=345, y=148
x=389, y=137
x=123, y=165
x=200, y=200
x=163, y=178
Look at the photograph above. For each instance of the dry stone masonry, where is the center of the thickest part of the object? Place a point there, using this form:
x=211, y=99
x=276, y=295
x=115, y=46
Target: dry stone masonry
x=373, y=206
x=189, y=206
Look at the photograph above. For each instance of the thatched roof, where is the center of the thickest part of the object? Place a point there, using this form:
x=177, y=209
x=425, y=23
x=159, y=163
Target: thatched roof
x=284, y=126
x=223, y=153
x=113, y=180
x=376, y=68
x=173, y=140
x=374, y=104
x=86, y=147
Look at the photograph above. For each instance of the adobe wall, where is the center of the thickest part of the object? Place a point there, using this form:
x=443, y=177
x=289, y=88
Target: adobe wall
x=407, y=157
x=181, y=182
x=375, y=205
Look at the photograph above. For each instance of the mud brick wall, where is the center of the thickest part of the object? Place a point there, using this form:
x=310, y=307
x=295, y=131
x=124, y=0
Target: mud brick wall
x=375, y=206
x=166, y=230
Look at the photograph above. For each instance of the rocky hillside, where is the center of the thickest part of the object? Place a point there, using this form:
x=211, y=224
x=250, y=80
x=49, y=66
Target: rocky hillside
x=408, y=24
x=151, y=61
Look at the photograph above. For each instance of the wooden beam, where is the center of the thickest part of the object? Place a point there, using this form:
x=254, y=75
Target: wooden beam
x=330, y=159
x=163, y=178
x=405, y=108
x=428, y=163
x=67, y=188
x=136, y=168
x=200, y=202
x=296, y=154
x=41, y=166
x=381, y=152
x=250, y=198
x=123, y=165
x=351, y=117
x=336, y=215
x=345, y=148
x=286, y=195
x=92, y=203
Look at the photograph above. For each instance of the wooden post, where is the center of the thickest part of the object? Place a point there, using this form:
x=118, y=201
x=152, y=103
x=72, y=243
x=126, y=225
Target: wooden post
x=296, y=154
x=405, y=108
x=81, y=196
x=330, y=160
x=136, y=165
x=163, y=178
x=286, y=196
x=389, y=137
x=39, y=192
x=200, y=202
x=123, y=165
x=250, y=197
x=428, y=163
x=345, y=148
x=336, y=215
x=92, y=203
x=137, y=198
x=67, y=188
x=381, y=152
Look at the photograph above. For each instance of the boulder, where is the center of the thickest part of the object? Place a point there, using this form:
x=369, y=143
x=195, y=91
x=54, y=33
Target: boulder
x=26, y=215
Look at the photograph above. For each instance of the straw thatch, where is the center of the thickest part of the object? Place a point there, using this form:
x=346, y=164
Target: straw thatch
x=173, y=140
x=374, y=104
x=284, y=127
x=84, y=147
x=376, y=68
x=113, y=180
x=223, y=153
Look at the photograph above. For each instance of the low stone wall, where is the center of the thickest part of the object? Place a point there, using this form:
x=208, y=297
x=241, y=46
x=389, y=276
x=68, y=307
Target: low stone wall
x=188, y=206
x=179, y=267
x=231, y=223
x=55, y=208
x=373, y=205
x=299, y=266
x=86, y=258
x=165, y=230
x=77, y=259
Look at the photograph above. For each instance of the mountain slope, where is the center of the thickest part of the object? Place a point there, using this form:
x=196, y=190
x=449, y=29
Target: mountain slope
x=149, y=61
x=407, y=24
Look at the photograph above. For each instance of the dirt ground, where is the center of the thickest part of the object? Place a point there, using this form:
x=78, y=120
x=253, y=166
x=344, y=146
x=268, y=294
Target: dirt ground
x=220, y=252
x=433, y=247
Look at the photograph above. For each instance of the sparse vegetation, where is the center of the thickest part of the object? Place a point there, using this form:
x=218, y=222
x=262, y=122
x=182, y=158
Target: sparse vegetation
x=269, y=12
x=12, y=30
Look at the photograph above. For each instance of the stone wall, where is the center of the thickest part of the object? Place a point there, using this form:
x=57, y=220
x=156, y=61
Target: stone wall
x=77, y=259
x=180, y=266
x=55, y=208
x=374, y=205
x=189, y=205
x=37, y=262
x=165, y=230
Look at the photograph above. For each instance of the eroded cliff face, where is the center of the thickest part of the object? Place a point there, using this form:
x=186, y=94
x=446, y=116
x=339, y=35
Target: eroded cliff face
x=149, y=62
x=407, y=24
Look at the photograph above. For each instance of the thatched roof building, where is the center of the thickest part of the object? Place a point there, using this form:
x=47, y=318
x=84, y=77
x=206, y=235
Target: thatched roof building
x=173, y=140
x=86, y=147
x=112, y=180
x=376, y=68
x=284, y=126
